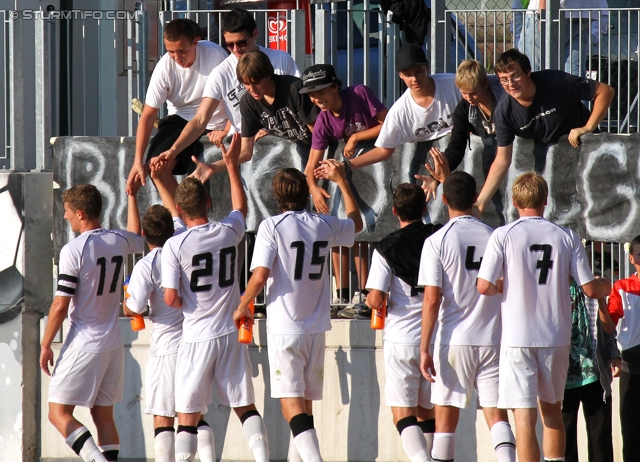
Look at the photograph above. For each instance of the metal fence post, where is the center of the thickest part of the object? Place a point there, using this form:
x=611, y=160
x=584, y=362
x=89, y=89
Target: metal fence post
x=438, y=37
x=392, y=76
x=16, y=95
x=44, y=94
x=298, y=38
x=551, y=33
x=321, y=36
x=142, y=53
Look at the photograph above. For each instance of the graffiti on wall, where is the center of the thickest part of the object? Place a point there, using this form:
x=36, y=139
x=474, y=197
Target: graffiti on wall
x=594, y=189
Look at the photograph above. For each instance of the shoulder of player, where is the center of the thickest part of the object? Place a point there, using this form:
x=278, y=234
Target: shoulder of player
x=629, y=285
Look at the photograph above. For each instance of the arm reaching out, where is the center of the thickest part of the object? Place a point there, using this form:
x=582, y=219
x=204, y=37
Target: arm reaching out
x=498, y=171
x=133, y=214
x=333, y=170
x=230, y=157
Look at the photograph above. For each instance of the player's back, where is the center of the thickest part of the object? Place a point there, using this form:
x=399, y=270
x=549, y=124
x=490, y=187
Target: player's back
x=91, y=270
x=202, y=264
x=538, y=258
x=451, y=260
x=295, y=246
x=145, y=284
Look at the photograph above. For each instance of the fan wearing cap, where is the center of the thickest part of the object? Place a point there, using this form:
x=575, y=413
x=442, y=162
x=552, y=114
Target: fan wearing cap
x=272, y=103
x=352, y=114
x=422, y=113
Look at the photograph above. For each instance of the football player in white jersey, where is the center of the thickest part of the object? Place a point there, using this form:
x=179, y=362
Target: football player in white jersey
x=467, y=343
x=144, y=286
x=90, y=369
x=199, y=275
x=178, y=79
x=289, y=257
x=240, y=34
x=394, y=269
x=537, y=260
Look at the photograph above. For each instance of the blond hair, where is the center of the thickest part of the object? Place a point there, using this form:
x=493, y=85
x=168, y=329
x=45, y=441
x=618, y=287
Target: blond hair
x=530, y=191
x=471, y=75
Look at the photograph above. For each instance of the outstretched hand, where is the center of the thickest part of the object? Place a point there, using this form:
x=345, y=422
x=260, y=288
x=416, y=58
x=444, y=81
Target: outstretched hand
x=440, y=169
x=331, y=170
x=138, y=173
x=319, y=196
x=231, y=155
x=162, y=160
x=203, y=170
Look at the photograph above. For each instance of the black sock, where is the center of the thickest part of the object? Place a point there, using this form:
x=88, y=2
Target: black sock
x=343, y=293
x=300, y=423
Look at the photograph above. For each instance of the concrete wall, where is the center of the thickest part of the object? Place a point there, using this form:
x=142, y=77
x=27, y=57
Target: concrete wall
x=594, y=189
x=25, y=293
x=352, y=420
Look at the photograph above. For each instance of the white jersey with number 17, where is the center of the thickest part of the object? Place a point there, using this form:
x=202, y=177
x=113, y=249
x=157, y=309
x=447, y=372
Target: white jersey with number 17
x=295, y=247
x=537, y=259
x=201, y=264
x=91, y=269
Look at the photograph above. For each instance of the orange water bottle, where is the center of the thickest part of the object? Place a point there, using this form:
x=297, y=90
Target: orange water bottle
x=137, y=321
x=245, y=333
x=377, y=316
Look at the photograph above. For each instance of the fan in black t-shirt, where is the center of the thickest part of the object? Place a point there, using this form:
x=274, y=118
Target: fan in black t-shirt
x=540, y=106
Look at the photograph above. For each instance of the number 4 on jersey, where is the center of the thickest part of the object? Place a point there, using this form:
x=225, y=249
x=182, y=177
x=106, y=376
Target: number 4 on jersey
x=546, y=263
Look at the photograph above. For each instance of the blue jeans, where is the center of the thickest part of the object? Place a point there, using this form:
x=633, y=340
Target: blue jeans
x=577, y=46
x=530, y=40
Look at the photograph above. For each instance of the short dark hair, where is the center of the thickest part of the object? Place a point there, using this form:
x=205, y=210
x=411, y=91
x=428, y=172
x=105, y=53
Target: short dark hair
x=460, y=191
x=508, y=59
x=84, y=197
x=157, y=225
x=634, y=242
x=192, y=198
x=409, y=201
x=181, y=28
x=291, y=189
x=238, y=20
x=253, y=66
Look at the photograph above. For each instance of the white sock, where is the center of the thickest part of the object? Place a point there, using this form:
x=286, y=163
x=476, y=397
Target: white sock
x=256, y=434
x=164, y=446
x=414, y=444
x=206, y=445
x=504, y=442
x=444, y=447
x=308, y=446
x=186, y=446
x=557, y=459
x=89, y=450
x=294, y=455
x=428, y=437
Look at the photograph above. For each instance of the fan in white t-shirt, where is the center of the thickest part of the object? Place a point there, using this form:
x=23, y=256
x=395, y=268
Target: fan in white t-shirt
x=199, y=276
x=422, y=114
x=240, y=34
x=467, y=345
x=394, y=270
x=178, y=79
x=289, y=258
x=90, y=369
x=537, y=260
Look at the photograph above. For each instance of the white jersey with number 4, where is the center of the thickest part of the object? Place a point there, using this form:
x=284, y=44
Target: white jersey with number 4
x=450, y=260
x=537, y=259
x=90, y=271
x=295, y=247
x=201, y=264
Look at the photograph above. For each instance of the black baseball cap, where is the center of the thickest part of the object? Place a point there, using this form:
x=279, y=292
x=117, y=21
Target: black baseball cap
x=410, y=55
x=318, y=77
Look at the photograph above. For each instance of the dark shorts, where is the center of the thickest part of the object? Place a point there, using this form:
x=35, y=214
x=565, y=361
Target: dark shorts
x=169, y=130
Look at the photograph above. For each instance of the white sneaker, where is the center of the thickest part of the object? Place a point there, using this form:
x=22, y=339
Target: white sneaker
x=358, y=298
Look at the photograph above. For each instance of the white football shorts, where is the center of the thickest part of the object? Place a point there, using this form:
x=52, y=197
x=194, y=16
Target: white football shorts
x=461, y=369
x=527, y=374
x=296, y=363
x=222, y=362
x=87, y=379
x=404, y=384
